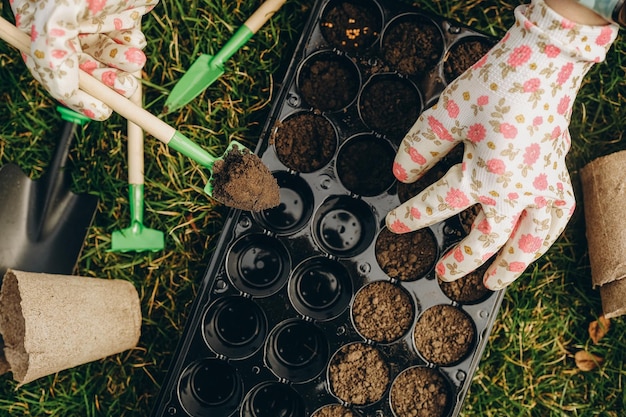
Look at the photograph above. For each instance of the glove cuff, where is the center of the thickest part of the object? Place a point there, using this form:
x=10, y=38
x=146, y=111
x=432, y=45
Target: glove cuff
x=581, y=42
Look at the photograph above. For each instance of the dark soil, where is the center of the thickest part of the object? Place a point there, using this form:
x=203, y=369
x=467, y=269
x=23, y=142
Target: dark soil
x=390, y=105
x=420, y=392
x=407, y=256
x=328, y=83
x=358, y=374
x=382, y=312
x=463, y=55
x=407, y=191
x=412, y=47
x=241, y=180
x=351, y=26
x=305, y=142
x=364, y=165
x=467, y=216
x=334, y=410
x=468, y=289
x=444, y=335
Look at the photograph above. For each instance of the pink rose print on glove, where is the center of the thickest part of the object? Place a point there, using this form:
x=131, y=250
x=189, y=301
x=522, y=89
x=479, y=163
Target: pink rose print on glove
x=96, y=6
x=552, y=51
x=496, y=166
x=417, y=157
x=136, y=56
x=508, y=130
x=399, y=172
x=457, y=199
x=520, y=56
x=532, y=154
x=476, y=133
x=453, y=109
x=529, y=243
x=439, y=129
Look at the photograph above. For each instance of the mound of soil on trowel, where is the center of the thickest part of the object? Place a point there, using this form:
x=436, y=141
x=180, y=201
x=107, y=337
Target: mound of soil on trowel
x=241, y=180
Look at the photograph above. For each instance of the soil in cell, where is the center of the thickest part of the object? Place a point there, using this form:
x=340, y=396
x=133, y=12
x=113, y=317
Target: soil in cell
x=334, y=410
x=412, y=46
x=364, y=165
x=358, y=374
x=444, y=335
x=329, y=83
x=390, y=105
x=420, y=392
x=305, y=142
x=352, y=26
x=468, y=289
x=407, y=256
x=463, y=55
x=382, y=311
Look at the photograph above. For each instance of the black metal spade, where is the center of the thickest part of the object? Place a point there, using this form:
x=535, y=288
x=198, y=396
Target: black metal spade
x=43, y=224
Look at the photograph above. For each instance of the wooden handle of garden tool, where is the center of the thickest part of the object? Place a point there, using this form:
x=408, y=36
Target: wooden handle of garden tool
x=135, y=140
x=263, y=14
x=150, y=123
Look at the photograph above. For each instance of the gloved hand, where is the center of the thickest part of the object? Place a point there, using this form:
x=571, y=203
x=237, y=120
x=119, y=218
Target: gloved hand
x=512, y=110
x=102, y=37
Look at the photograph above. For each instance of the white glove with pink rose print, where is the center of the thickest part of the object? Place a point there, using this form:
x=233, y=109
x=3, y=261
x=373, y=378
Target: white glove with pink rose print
x=101, y=37
x=511, y=110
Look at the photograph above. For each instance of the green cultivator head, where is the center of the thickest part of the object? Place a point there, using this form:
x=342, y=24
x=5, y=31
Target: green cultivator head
x=137, y=237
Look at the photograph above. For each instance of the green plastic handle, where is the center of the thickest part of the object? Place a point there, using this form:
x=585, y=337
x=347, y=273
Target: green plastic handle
x=189, y=148
x=70, y=115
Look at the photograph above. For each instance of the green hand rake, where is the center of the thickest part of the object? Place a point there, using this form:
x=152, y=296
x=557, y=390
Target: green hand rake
x=137, y=237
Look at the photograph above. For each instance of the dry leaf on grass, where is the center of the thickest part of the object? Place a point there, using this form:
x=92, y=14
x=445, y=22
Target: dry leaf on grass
x=586, y=361
x=599, y=328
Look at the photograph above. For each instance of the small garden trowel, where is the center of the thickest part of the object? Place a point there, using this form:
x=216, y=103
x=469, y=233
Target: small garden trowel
x=268, y=195
x=208, y=68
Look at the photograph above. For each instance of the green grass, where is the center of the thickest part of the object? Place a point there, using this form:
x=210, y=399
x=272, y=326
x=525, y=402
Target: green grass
x=528, y=367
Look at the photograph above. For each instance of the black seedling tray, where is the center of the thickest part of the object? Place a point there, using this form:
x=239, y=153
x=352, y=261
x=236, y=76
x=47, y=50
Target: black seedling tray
x=278, y=298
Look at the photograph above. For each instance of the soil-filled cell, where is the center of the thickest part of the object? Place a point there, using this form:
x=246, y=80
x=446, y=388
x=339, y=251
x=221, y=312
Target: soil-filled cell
x=390, y=105
x=352, y=26
x=295, y=208
x=305, y=142
x=463, y=55
x=364, y=165
x=467, y=217
x=468, y=289
x=344, y=226
x=407, y=191
x=234, y=326
x=358, y=374
x=334, y=410
x=407, y=256
x=297, y=350
x=258, y=265
x=210, y=388
x=272, y=399
x=328, y=82
x=444, y=335
x=412, y=44
x=320, y=288
x=420, y=392
x=382, y=312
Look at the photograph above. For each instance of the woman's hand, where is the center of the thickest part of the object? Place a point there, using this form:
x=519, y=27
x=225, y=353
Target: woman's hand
x=101, y=37
x=511, y=110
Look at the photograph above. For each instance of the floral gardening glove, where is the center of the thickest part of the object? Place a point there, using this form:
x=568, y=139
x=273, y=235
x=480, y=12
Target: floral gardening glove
x=101, y=37
x=512, y=110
